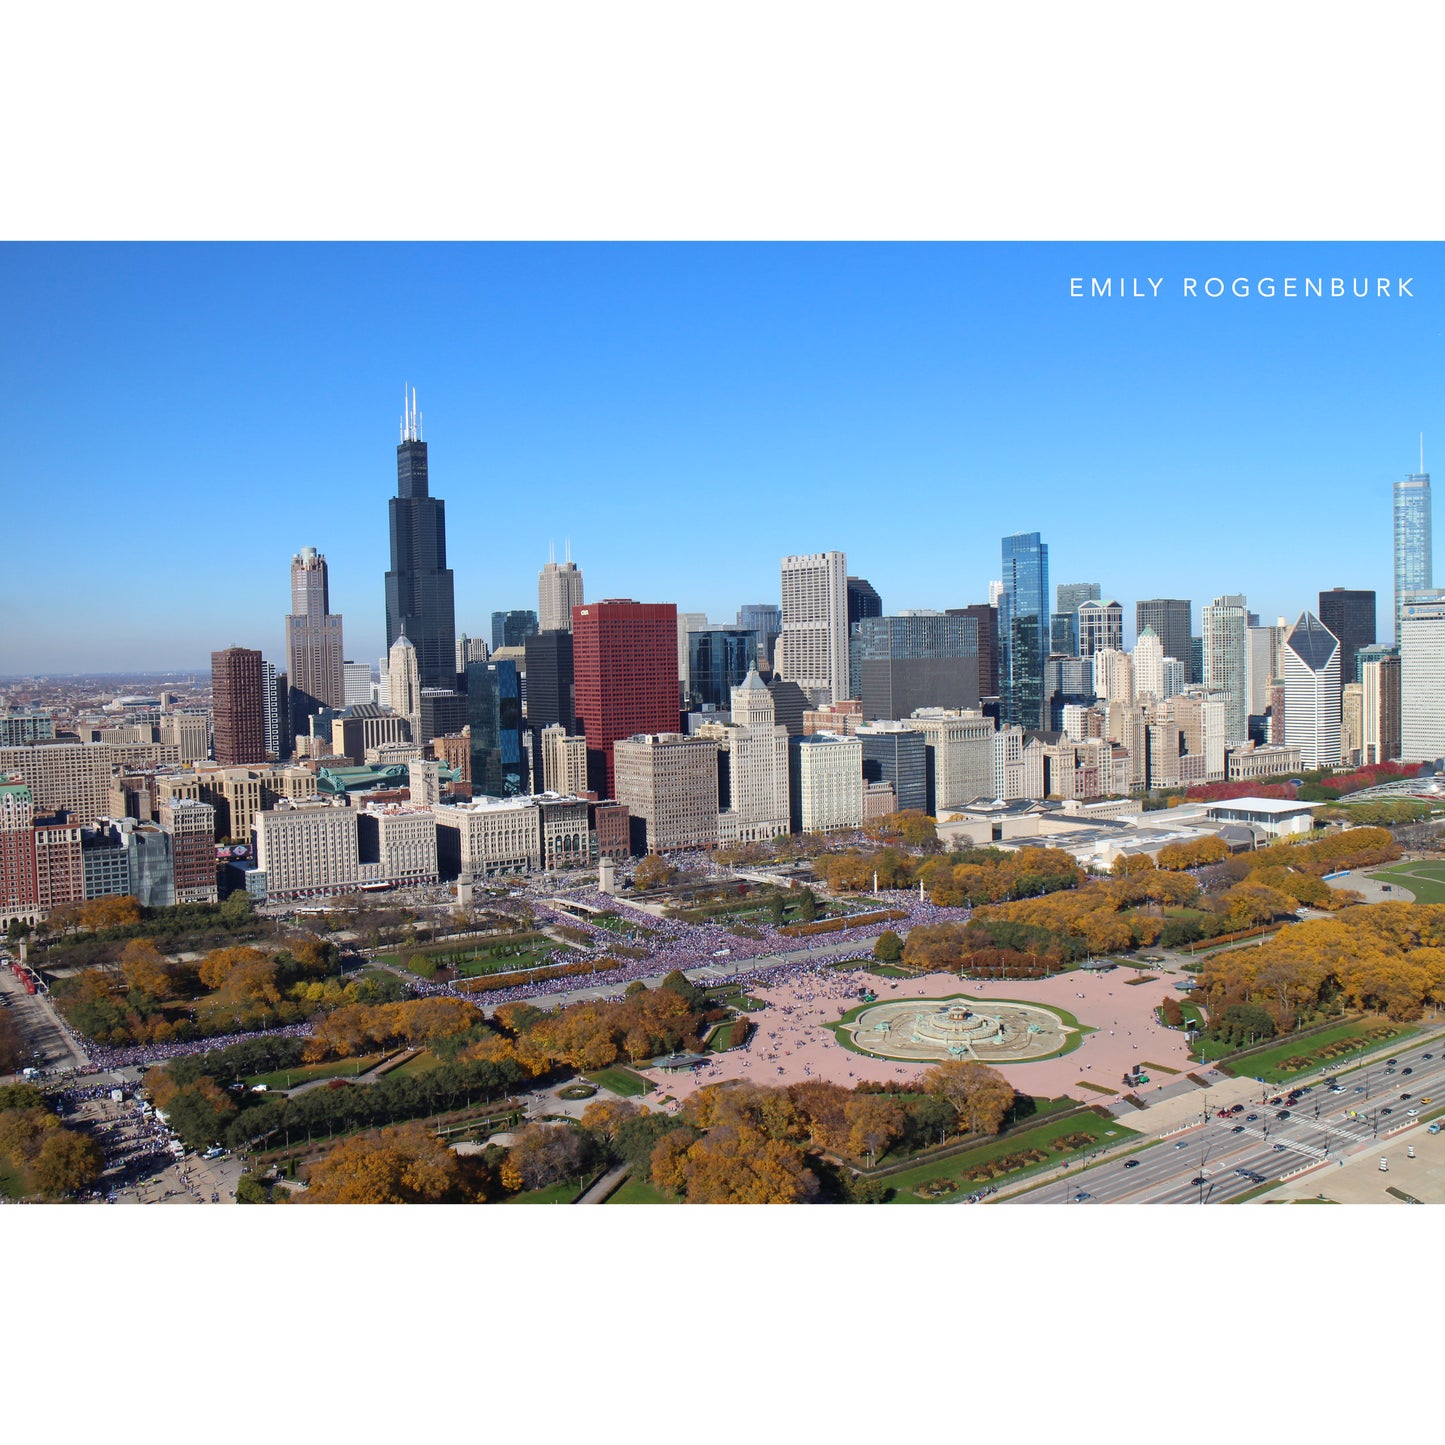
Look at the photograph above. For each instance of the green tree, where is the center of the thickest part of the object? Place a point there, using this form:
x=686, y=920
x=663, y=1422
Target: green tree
x=807, y=906
x=888, y=948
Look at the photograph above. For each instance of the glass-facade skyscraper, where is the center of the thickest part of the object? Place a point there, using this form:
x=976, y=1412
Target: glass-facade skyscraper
x=1023, y=629
x=718, y=659
x=494, y=711
x=419, y=591
x=1349, y=613
x=1414, y=570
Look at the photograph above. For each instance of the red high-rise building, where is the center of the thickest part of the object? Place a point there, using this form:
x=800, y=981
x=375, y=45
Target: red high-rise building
x=624, y=666
x=237, y=702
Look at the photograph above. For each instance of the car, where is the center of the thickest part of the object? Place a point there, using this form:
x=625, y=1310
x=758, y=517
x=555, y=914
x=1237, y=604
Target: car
x=1358, y=1089
x=1392, y=1061
x=1386, y=1111
x=1427, y=1056
x=1407, y=1096
x=1131, y=1164
x=1282, y=1114
x=1406, y=1071
x=1181, y=1145
x=1413, y=1113
x=1238, y=1129
x=1238, y=1109
x=1301, y=1092
x=1427, y=1100
x=1337, y=1088
x=1081, y=1197
x=1279, y=1148
x=1199, y=1179
x=1250, y=1118
x=1278, y=1099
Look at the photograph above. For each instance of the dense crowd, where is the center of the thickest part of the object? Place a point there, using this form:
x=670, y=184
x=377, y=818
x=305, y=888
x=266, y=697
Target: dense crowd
x=670, y=944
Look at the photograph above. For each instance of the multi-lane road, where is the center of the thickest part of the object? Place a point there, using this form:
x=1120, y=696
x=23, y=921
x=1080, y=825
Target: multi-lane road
x=1205, y=1164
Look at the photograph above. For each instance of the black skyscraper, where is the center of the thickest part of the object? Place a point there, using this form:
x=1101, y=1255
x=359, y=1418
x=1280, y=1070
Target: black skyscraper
x=1170, y=617
x=1350, y=615
x=863, y=601
x=419, y=585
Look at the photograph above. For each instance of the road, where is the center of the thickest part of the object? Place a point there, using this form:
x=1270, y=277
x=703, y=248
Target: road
x=1319, y=1128
x=36, y=1017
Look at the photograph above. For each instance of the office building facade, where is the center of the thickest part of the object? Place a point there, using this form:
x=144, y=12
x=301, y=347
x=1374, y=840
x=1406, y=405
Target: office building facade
x=1312, y=693
x=1422, y=676
x=1023, y=621
x=669, y=784
x=1226, y=661
x=1172, y=621
x=559, y=590
x=420, y=598
x=1414, y=542
x=314, y=648
x=1101, y=624
x=624, y=657
x=494, y=716
x=917, y=661
x=238, y=707
x=813, y=646
x=1349, y=613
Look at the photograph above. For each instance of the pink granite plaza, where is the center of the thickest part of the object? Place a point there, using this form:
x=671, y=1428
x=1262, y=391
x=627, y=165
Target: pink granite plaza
x=791, y=1044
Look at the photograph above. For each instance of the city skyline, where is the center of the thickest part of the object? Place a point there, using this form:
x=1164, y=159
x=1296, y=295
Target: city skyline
x=620, y=399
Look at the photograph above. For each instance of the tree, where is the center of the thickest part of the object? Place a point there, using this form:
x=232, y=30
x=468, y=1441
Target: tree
x=66, y=1162
x=99, y=913
x=888, y=948
x=406, y=1164
x=875, y=1122
x=544, y=1154
x=980, y=1096
x=146, y=969
x=807, y=905
x=653, y=872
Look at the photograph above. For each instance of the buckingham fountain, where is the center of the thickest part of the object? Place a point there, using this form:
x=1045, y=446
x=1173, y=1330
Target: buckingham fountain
x=982, y=1030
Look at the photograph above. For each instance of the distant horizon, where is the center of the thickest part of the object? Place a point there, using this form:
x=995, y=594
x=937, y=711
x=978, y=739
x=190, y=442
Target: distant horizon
x=186, y=418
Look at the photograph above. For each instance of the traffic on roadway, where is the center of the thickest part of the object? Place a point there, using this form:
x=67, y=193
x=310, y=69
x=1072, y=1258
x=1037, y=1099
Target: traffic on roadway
x=1230, y=1152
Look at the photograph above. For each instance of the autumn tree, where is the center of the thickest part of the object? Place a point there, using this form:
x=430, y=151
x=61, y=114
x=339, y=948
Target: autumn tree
x=875, y=1122
x=980, y=1096
x=146, y=969
x=99, y=913
x=218, y=966
x=653, y=872
x=736, y=1164
x=606, y=1116
x=404, y=1164
x=66, y=1162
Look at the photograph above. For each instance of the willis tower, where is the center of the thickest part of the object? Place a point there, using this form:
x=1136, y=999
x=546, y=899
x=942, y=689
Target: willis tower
x=419, y=586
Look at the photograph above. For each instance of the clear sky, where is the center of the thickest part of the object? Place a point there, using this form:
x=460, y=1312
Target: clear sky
x=180, y=419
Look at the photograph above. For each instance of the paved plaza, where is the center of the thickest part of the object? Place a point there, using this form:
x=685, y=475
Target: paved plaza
x=791, y=1042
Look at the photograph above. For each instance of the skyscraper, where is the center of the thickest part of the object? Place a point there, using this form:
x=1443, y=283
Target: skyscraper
x=1148, y=657
x=1380, y=708
x=275, y=710
x=1023, y=621
x=986, y=615
x=813, y=647
x=1068, y=596
x=559, y=590
x=238, y=704
x=1311, y=657
x=419, y=594
x=766, y=619
x=314, y=664
x=718, y=659
x=624, y=659
x=1350, y=615
x=1101, y=624
x=1172, y=621
x=512, y=629
x=494, y=714
x=911, y=662
x=1226, y=661
x=1414, y=566
x=1422, y=676
x=863, y=601
x=403, y=674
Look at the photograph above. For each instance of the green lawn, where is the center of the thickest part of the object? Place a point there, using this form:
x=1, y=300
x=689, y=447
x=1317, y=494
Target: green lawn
x=1266, y=1065
x=422, y=1063
x=475, y=959
x=1102, y=1131
x=563, y=1193
x=620, y=1081
x=721, y=1038
x=304, y=1073
x=12, y=1181
x=637, y=1191
x=1425, y=880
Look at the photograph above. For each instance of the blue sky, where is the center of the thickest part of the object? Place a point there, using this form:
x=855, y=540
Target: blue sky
x=181, y=418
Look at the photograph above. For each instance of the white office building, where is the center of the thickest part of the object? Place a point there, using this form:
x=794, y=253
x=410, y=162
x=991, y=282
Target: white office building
x=1311, y=667
x=813, y=648
x=1422, y=676
x=1226, y=661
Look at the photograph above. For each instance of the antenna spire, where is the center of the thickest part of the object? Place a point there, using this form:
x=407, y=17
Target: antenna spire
x=552, y=553
x=569, y=551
